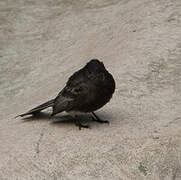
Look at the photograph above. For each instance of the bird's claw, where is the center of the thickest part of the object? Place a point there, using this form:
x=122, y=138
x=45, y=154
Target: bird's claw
x=100, y=121
x=83, y=126
x=78, y=123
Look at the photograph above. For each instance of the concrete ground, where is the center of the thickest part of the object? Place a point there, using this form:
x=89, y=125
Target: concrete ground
x=43, y=42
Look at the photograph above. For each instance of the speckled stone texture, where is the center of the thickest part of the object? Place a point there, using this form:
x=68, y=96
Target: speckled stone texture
x=43, y=42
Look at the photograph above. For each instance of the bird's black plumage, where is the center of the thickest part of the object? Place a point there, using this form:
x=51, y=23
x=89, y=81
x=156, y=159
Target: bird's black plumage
x=86, y=90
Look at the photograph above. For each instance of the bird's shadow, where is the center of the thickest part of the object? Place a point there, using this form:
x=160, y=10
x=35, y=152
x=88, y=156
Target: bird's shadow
x=58, y=119
x=64, y=119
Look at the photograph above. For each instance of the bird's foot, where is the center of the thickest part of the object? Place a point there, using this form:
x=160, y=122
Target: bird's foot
x=97, y=119
x=83, y=126
x=78, y=123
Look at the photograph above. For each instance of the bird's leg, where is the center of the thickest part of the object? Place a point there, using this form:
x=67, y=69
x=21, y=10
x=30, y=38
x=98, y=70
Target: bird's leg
x=97, y=119
x=78, y=123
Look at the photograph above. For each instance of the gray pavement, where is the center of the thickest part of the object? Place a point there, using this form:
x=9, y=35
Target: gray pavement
x=43, y=42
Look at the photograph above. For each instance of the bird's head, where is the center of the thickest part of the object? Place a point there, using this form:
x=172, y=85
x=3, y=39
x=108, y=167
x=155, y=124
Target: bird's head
x=95, y=65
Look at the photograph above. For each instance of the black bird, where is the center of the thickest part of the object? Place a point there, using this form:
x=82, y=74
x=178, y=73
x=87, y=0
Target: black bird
x=86, y=90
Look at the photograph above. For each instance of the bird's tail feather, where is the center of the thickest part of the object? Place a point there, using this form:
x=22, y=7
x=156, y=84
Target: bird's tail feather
x=38, y=108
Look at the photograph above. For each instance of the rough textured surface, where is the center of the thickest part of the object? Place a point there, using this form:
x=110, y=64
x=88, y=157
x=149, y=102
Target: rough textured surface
x=43, y=42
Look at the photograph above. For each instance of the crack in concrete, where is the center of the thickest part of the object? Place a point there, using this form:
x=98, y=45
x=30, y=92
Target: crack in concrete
x=39, y=142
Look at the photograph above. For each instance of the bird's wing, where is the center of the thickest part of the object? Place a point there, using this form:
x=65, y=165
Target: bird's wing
x=71, y=97
x=61, y=103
